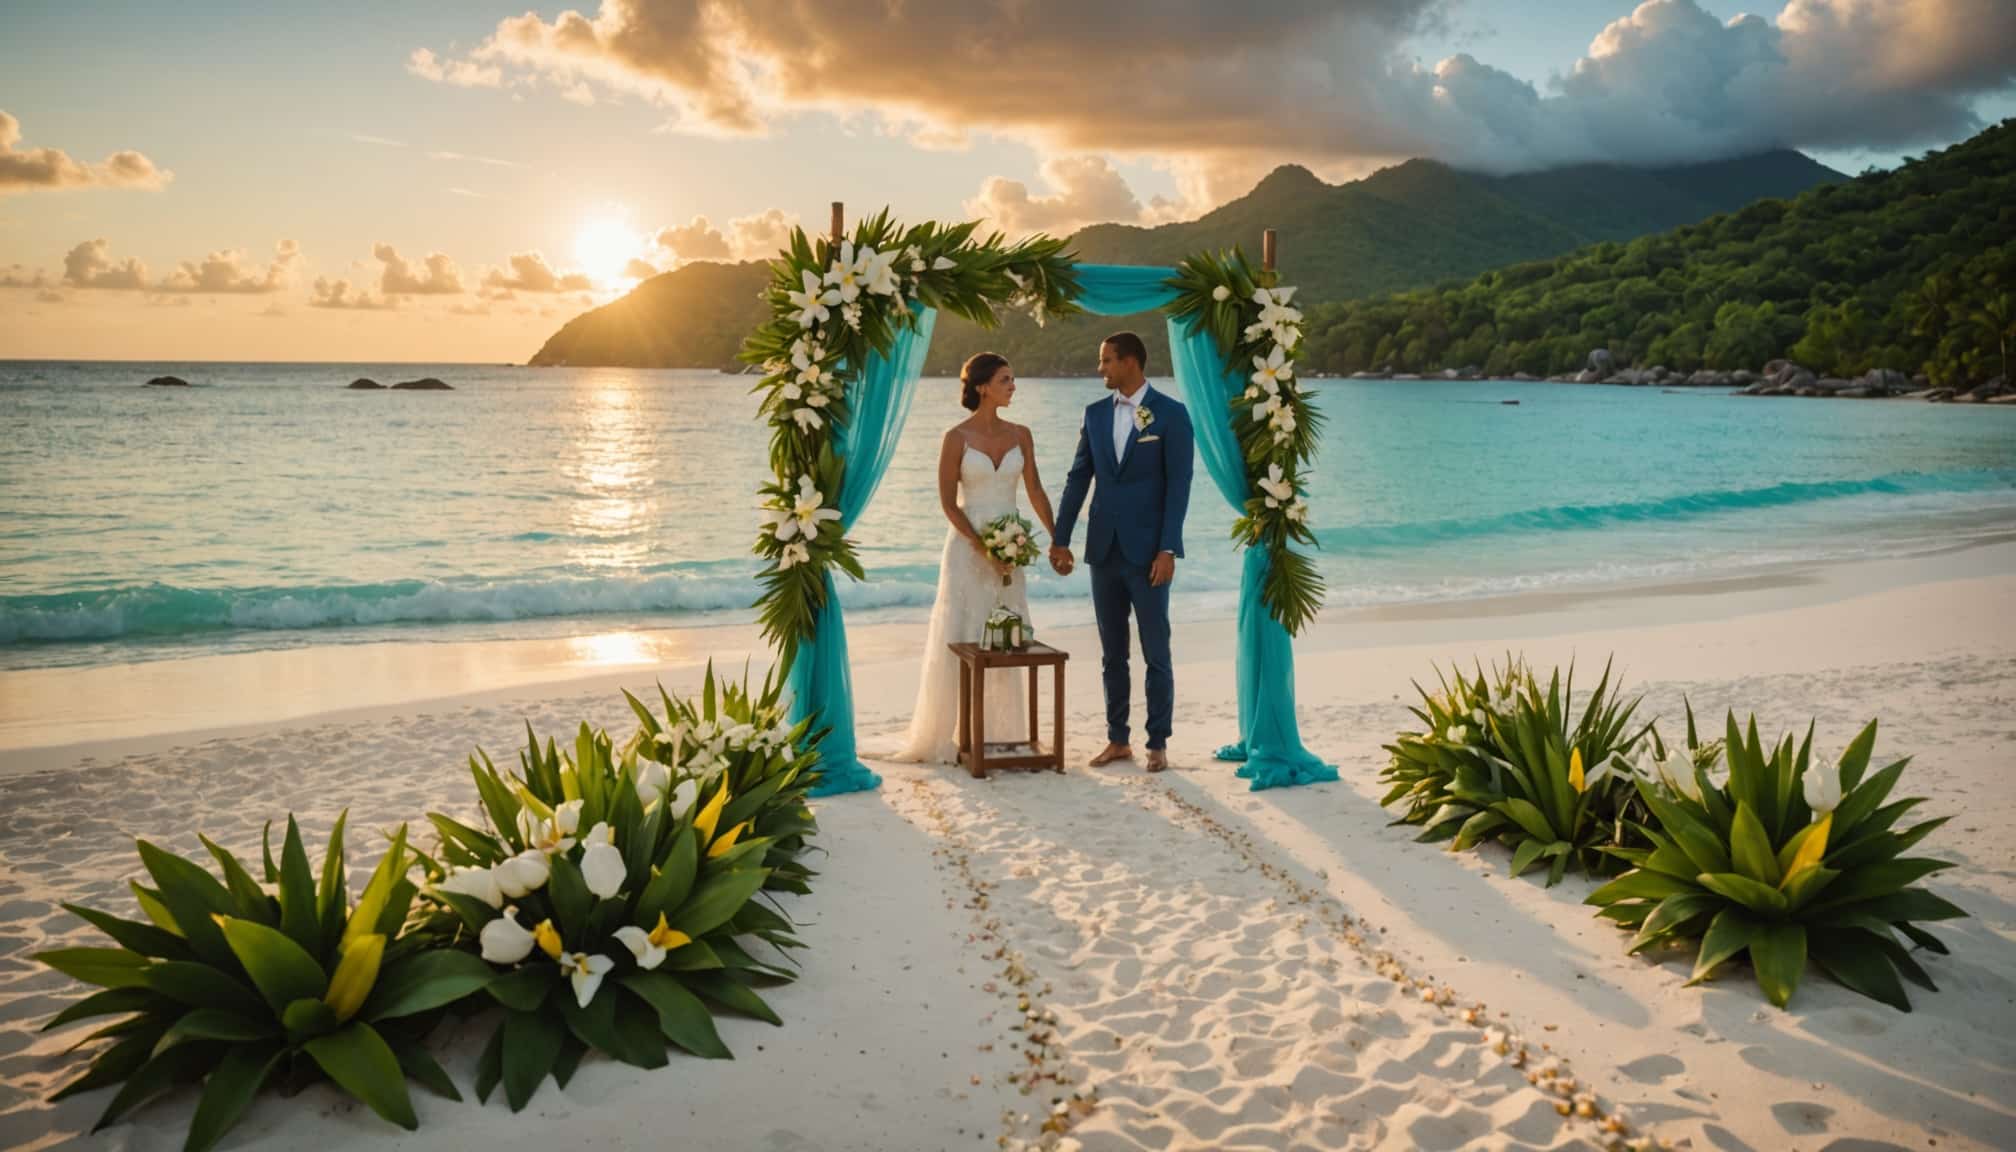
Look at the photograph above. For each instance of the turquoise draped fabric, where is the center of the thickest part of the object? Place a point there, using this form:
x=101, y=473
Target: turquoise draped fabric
x=1270, y=742
x=821, y=685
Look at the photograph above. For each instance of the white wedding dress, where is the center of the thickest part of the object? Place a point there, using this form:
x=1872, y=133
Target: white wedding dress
x=968, y=591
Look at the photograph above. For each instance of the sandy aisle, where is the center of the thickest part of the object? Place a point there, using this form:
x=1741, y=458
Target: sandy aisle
x=1209, y=954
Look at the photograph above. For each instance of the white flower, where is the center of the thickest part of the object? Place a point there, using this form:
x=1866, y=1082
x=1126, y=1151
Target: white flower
x=803, y=517
x=1676, y=771
x=812, y=304
x=943, y=264
x=794, y=554
x=1273, y=368
x=851, y=313
x=1274, y=309
x=877, y=271
x=1458, y=734
x=682, y=797
x=602, y=864
x=806, y=419
x=811, y=372
x=1279, y=489
x=586, y=973
x=1221, y=293
x=523, y=873
x=653, y=778
x=504, y=940
x=1299, y=510
x=1477, y=716
x=550, y=836
x=845, y=275
x=650, y=947
x=1823, y=785
x=478, y=882
x=1019, y=282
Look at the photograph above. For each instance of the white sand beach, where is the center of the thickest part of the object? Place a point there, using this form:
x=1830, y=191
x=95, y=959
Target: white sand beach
x=1202, y=967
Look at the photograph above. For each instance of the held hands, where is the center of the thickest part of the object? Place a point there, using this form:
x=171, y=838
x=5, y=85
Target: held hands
x=1163, y=569
x=1061, y=560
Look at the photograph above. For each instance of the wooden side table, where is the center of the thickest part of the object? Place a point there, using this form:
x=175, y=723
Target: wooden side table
x=974, y=663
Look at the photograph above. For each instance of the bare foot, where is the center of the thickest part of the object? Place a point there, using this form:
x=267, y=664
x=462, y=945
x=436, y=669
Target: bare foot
x=1111, y=753
x=1158, y=760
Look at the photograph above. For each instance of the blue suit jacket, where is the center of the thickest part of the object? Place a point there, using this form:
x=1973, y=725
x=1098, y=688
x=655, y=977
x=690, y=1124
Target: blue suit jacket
x=1142, y=494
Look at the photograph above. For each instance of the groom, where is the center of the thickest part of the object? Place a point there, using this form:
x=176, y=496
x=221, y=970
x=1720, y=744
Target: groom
x=1137, y=443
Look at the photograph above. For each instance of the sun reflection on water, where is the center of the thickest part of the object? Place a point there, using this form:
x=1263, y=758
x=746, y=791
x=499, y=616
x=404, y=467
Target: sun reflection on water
x=611, y=649
x=613, y=449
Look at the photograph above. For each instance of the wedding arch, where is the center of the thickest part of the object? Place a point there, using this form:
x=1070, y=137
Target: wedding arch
x=850, y=325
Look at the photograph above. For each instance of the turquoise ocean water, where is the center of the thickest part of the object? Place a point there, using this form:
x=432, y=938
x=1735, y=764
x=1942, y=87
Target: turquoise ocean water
x=270, y=507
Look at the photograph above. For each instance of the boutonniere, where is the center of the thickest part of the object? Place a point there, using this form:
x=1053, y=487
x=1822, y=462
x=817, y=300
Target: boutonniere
x=1143, y=418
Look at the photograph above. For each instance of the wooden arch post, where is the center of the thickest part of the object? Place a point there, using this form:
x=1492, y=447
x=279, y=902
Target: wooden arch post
x=839, y=220
x=1266, y=246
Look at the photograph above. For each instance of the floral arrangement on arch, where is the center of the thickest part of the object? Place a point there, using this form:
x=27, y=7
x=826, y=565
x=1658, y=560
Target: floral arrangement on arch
x=1249, y=314
x=833, y=305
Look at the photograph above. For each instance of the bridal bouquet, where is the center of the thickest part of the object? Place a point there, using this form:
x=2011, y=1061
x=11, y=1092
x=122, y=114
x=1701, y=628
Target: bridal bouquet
x=1012, y=540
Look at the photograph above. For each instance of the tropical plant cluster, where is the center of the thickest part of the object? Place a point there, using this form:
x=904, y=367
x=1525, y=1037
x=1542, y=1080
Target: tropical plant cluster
x=608, y=898
x=1913, y=269
x=1774, y=853
x=1251, y=317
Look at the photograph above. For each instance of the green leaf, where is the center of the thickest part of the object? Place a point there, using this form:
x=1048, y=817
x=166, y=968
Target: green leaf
x=1883, y=879
x=524, y=989
x=674, y=881
x=1854, y=959
x=1674, y=914
x=716, y=900
x=531, y=1042
x=333, y=893
x=731, y=994
x=201, y=986
x=1527, y=853
x=1751, y=848
x=1728, y=933
x=1855, y=758
x=146, y=939
x=249, y=900
x=1859, y=804
x=1640, y=884
x=490, y=1066
x=218, y=1024
x=423, y=1070
x=191, y=895
x=162, y=1072
x=281, y=970
x=564, y=1065
x=426, y=980
x=682, y=1018
x=228, y=1091
x=116, y=1063
x=359, y=1060
x=1910, y=904
x=570, y=896
x=299, y=918
x=308, y=1017
x=1759, y=898
x=110, y=1002
x=105, y=967
x=690, y=958
x=1801, y=889
x=1696, y=839
x=1778, y=953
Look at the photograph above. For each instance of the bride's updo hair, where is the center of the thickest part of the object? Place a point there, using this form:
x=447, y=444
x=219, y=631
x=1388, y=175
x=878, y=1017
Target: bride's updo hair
x=977, y=372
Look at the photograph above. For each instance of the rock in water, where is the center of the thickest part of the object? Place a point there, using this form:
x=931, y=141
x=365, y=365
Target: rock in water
x=1601, y=362
x=365, y=383
x=166, y=382
x=425, y=384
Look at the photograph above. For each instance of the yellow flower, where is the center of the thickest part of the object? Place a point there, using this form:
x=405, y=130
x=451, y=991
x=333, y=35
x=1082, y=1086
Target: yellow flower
x=355, y=975
x=547, y=938
x=1811, y=849
x=711, y=814
x=650, y=949
x=1575, y=770
x=727, y=840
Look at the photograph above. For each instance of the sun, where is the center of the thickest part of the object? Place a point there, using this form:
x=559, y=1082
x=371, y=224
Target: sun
x=604, y=247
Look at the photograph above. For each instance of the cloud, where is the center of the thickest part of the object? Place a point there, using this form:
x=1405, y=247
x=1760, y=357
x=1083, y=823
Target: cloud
x=328, y=293
x=639, y=269
x=89, y=265
x=695, y=240
x=50, y=296
x=1220, y=92
x=490, y=160
x=20, y=276
x=381, y=141
x=762, y=236
x=42, y=169
x=460, y=73
x=529, y=272
x=1089, y=190
x=435, y=276
x=226, y=273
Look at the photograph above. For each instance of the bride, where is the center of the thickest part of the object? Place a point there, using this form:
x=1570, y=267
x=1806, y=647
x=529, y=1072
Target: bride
x=979, y=465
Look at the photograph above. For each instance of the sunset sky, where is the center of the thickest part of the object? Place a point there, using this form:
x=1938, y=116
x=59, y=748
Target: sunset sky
x=452, y=180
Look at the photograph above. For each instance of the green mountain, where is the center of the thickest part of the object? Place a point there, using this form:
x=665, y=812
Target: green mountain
x=1402, y=227
x=1912, y=269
